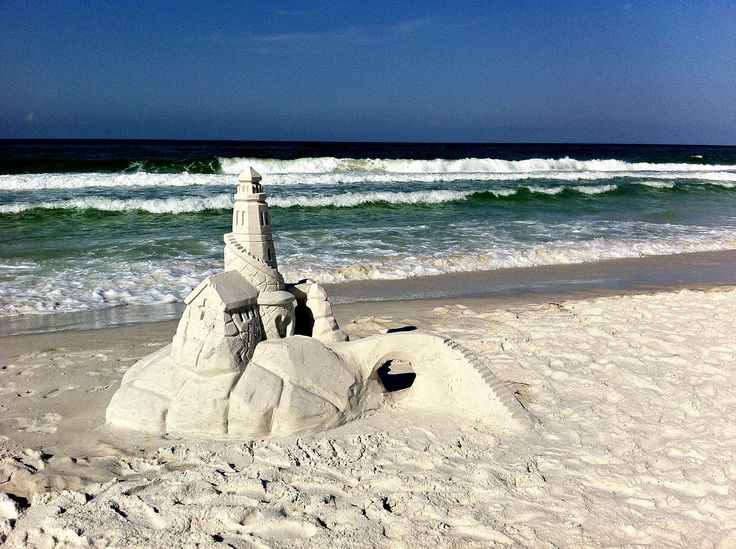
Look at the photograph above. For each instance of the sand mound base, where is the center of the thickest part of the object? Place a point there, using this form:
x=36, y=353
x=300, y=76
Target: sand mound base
x=298, y=385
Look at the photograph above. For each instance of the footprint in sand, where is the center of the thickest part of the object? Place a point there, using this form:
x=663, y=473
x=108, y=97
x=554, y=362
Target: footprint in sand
x=56, y=392
x=47, y=424
x=278, y=528
x=475, y=532
x=135, y=510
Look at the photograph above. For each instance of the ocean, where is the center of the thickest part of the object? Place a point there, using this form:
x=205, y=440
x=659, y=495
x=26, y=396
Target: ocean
x=99, y=224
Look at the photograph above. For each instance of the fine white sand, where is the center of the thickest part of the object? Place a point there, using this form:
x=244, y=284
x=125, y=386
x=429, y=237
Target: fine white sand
x=636, y=445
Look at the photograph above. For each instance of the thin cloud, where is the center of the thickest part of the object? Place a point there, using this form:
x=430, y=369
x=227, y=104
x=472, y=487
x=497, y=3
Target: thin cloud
x=347, y=34
x=352, y=35
x=412, y=25
x=31, y=119
x=297, y=13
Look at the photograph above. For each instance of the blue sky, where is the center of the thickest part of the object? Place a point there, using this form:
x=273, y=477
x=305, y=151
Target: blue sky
x=545, y=71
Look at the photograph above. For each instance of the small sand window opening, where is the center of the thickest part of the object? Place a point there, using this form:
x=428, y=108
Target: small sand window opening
x=282, y=325
x=396, y=375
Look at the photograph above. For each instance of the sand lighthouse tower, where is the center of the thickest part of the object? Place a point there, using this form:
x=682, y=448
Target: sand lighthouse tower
x=249, y=248
x=251, y=219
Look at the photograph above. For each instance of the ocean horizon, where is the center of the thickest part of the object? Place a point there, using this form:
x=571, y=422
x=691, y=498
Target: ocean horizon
x=94, y=224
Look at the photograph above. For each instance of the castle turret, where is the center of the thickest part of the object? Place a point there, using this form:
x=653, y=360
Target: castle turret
x=251, y=219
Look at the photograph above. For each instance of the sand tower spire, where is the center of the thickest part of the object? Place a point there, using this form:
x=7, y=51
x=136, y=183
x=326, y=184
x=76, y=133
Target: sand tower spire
x=251, y=218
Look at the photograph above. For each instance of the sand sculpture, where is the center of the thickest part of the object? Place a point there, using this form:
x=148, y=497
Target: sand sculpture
x=254, y=357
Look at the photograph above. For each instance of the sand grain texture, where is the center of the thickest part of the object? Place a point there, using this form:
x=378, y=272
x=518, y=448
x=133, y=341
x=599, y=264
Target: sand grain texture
x=637, y=445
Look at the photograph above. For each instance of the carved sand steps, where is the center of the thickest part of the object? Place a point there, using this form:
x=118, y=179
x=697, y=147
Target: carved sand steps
x=448, y=377
x=254, y=269
x=495, y=385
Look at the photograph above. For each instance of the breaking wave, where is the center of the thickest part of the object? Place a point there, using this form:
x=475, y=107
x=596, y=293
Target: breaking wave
x=328, y=171
x=152, y=205
x=41, y=181
x=222, y=201
x=348, y=200
x=331, y=164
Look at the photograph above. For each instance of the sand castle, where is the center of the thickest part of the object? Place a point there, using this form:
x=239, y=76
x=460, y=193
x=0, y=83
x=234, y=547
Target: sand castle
x=255, y=357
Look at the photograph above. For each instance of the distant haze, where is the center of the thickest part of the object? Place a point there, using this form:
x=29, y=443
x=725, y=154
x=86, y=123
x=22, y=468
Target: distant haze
x=507, y=71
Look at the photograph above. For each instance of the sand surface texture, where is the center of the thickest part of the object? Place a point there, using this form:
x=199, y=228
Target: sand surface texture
x=636, y=397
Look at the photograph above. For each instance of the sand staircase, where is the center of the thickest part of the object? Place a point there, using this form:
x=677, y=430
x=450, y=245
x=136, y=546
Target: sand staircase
x=448, y=376
x=498, y=391
x=263, y=276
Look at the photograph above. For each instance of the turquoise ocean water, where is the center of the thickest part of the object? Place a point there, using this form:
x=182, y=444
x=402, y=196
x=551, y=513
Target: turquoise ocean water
x=98, y=224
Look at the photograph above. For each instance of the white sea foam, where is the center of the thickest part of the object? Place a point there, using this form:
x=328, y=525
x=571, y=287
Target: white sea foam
x=656, y=184
x=40, y=181
x=356, y=199
x=328, y=179
x=176, y=205
x=545, y=190
x=100, y=284
x=103, y=282
x=33, y=182
x=464, y=165
x=505, y=192
x=153, y=205
x=599, y=189
x=334, y=171
x=400, y=266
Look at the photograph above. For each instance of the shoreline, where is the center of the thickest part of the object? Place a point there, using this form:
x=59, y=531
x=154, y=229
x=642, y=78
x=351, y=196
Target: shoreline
x=500, y=287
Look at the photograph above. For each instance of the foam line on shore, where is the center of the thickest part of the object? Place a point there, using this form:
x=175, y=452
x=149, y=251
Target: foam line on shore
x=504, y=286
x=99, y=285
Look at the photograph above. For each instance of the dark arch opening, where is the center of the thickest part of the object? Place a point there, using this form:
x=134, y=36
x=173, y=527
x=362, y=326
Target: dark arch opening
x=396, y=375
x=304, y=324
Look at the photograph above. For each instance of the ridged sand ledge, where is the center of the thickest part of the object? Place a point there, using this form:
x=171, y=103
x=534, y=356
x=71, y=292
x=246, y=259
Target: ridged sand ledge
x=636, y=398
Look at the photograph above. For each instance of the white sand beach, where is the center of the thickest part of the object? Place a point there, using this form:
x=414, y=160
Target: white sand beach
x=636, y=442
